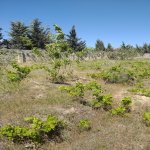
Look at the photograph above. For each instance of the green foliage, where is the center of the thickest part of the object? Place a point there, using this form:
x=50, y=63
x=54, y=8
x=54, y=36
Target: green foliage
x=124, y=108
x=109, y=47
x=36, y=132
x=58, y=52
x=126, y=101
x=19, y=36
x=125, y=72
x=75, y=43
x=141, y=91
x=59, y=47
x=76, y=91
x=79, y=89
x=1, y=36
x=118, y=111
x=146, y=118
x=84, y=125
x=21, y=72
x=39, y=35
x=103, y=101
x=123, y=54
x=36, y=51
x=99, y=46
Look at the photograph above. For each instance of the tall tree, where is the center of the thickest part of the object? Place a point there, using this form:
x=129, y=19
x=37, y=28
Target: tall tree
x=19, y=36
x=99, y=46
x=109, y=47
x=39, y=35
x=1, y=36
x=123, y=45
x=75, y=43
x=146, y=48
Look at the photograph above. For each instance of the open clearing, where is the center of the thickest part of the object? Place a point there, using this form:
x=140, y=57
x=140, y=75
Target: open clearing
x=37, y=96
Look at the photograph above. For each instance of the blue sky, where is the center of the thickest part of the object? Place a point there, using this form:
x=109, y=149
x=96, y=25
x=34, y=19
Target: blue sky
x=111, y=21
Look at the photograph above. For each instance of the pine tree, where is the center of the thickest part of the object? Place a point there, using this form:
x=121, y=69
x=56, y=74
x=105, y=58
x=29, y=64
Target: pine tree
x=99, y=46
x=1, y=36
x=38, y=34
x=109, y=47
x=76, y=44
x=19, y=36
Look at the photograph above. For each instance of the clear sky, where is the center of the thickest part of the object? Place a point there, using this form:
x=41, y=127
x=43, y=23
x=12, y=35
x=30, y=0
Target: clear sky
x=111, y=21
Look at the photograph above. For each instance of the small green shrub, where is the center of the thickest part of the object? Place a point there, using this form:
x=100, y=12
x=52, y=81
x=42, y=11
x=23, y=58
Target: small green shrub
x=147, y=118
x=37, y=131
x=126, y=103
x=103, y=101
x=36, y=51
x=118, y=111
x=84, y=125
x=21, y=72
x=124, y=108
x=141, y=91
x=76, y=91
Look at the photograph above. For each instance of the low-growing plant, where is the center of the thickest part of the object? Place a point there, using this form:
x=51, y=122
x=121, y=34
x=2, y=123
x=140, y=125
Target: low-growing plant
x=124, y=108
x=147, y=118
x=141, y=91
x=118, y=111
x=103, y=101
x=76, y=91
x=21, y=72
x=36, y=51
x=37, y=132
x=84, y=125
x=126, y=103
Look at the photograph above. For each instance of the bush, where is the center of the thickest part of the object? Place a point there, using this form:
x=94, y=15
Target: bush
x=76, y=91
x=21, y=72
x=147, y=118
x=141, y=91
x=103, y=101
x=124, y=108
x=84, y=125
x=37, y=132
x=126, y=103
x=118, y=111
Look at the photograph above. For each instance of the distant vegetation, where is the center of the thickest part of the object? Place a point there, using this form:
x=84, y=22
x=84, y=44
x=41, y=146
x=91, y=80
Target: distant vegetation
x=36, y=35
x=92, y=98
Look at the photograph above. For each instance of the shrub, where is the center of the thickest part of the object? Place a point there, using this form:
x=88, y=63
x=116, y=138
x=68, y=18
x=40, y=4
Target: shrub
x=84, y=125
x=21, y=72
x=147, y=118
x=76, y=91
x=126, y=102
x=37, y=131
x=118, y=111
x=141, y=91
x=124, y=108
x=103, y=101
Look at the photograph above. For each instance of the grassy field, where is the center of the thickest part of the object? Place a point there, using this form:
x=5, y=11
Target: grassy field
x=35, y=95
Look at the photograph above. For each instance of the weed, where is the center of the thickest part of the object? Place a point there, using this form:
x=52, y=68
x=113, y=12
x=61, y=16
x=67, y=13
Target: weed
x=84, y=125
x=36, y=133
x=147, y=118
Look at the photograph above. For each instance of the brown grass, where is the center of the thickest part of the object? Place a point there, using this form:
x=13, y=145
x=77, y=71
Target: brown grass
x=37, y=96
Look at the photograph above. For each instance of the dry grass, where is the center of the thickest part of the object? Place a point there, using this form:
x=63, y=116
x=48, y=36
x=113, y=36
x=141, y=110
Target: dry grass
x=37, y=96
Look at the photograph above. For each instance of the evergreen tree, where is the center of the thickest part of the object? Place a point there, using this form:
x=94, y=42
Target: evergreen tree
x=1, y=36
x=19, y=36
x=6, y=43
x=109, y=47
x=99, y=46
x=38, y=34
x=123, y=45
x=146, y=48
x=75, y=43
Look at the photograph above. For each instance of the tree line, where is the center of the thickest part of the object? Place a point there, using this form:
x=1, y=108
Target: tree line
x=36, y=35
